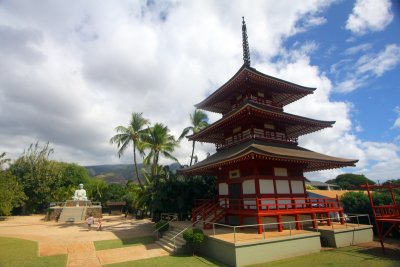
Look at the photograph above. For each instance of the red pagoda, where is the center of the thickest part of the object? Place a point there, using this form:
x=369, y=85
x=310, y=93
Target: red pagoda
x=258, y=164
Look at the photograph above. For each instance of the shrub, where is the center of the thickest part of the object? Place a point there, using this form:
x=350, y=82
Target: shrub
x=193, y=237
x=162, y=226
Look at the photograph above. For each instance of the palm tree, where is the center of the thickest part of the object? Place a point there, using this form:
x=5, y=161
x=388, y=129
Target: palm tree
x=199, y=121
x=134, y=133
x=158, y=141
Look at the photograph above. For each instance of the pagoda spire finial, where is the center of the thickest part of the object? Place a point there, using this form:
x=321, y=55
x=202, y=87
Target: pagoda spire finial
x=246, y=51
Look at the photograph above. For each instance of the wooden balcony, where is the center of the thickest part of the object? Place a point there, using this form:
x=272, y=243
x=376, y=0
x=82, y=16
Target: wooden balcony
x=259, y=134
x=258, y=100
x=271, y=206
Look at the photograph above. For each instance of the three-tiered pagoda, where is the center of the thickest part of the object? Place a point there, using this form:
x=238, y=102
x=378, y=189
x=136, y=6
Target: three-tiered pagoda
x=258, y=165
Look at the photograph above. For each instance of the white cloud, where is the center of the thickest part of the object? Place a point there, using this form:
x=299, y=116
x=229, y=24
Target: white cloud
x=396, y=123
x=358, y=48
x=380, y=63
x=71, y=72
x=366, y=67
x=369, y=15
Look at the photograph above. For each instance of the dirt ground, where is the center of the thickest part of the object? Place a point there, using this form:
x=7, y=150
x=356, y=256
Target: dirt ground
x=77, y=241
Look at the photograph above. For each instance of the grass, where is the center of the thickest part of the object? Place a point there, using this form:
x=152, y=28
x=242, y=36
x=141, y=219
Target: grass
x=19, y=252
x=181, y=260
x=349, y=256
x=121, y=243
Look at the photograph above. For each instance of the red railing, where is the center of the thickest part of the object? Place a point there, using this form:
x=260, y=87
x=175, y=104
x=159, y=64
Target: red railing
x=256, y=99
x=387, y=211
x=261, y=134
x=274, y=204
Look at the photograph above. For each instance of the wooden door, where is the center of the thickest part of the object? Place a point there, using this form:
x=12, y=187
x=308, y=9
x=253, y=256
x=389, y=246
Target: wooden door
x=235, y=194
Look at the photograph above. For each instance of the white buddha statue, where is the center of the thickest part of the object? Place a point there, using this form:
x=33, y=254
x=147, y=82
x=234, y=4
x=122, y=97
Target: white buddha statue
x=80, y=194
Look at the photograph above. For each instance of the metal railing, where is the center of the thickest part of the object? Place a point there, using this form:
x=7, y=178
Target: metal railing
x=70, y=203
x=289, y=223
x=175, y=236
x=174, y=218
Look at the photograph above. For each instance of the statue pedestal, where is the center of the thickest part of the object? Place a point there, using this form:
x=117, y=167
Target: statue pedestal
x=78, y=203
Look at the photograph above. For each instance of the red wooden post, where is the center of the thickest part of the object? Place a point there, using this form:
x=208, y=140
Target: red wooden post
x=298, y=226
x=314, y=221
x=328, y=219
x=341, y=215
x=279, y=220
x=392, y=194
x=259, y=222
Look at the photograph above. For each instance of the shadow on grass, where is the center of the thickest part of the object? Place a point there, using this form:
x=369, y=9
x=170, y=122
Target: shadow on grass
x=120, y=243
x=390, y=253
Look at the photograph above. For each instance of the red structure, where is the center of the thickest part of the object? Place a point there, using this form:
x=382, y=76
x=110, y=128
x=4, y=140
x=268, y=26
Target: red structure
x=258, y=164
x=389, y=214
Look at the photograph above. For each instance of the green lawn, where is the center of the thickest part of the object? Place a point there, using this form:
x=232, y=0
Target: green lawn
x=120, y=243
x=18, y=252
x=192, y=261
x=349, y=256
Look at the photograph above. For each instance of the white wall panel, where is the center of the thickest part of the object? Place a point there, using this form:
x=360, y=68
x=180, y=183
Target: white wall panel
x=282, y=187
x=297, y=187
x=267, y=186
x=223, y=189
x=249, y=187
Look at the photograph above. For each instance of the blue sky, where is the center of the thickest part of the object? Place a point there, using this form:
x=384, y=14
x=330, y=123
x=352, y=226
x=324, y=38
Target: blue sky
x=375, y=99
x=73, y=71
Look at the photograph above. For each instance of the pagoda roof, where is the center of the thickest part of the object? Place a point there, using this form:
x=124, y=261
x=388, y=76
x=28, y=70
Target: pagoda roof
x=256, y=150
x=283, y=92
x=295, y=125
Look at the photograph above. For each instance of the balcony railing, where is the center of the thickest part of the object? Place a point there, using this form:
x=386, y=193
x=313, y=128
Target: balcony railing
x=278, y=204
x=260, y=134
x=387, y=211
x=256, y=99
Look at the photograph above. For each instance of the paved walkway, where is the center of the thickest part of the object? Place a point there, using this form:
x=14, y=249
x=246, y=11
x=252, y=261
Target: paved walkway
x=76, y=241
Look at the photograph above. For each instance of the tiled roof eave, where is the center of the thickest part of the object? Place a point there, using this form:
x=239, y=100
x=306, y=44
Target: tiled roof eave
x=313, y=164
x=248, y=72
x=319, y=125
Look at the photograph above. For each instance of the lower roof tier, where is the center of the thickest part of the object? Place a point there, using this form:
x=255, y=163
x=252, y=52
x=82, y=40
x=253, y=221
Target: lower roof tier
x=251, y=150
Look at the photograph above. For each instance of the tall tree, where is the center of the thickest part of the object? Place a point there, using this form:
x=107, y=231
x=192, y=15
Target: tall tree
x=199, y=121
x=3, y=160
x=11, y=193
x=134, y=134
x=350, y=181
x=158, y=141
x=38, y=175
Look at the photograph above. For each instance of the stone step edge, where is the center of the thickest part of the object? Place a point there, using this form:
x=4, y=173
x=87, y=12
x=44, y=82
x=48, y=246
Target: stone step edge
x=167, y=241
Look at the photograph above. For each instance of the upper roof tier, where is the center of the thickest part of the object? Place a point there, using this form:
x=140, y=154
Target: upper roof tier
x=254, y=114
x=247, y=78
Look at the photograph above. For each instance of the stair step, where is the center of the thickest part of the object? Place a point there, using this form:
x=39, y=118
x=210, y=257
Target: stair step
x=166, y=248
x=178, y=242
x=72, y=214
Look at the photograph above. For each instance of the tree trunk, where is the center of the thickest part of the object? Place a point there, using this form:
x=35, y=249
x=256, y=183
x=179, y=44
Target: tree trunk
x=191, y=158
x=136, y=168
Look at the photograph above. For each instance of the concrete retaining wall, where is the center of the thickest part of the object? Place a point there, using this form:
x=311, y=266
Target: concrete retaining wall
x=338, y=238
x=260, y=251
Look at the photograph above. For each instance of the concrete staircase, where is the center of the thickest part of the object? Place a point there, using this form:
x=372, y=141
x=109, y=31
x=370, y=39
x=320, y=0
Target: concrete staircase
x=167, y=244
x=72, y=214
